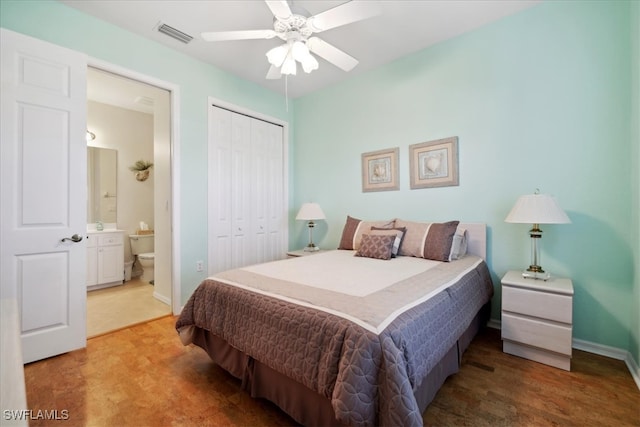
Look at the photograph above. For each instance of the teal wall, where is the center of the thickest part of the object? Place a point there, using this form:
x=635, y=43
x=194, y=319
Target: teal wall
x=64, y=26
x=635, y=176
x=541, y=100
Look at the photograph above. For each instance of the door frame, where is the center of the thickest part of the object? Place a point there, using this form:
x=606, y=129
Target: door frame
x=174, y=96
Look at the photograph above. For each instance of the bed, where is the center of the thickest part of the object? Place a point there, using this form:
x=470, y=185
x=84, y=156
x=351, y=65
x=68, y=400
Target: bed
x=342, y=338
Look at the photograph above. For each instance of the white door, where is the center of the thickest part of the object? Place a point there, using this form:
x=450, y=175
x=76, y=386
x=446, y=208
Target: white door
x=247, y=211
x=267, y=189
x=230, y=172
x=43, y=192
x=219, y=190
x=276, y=217
x=242, y=244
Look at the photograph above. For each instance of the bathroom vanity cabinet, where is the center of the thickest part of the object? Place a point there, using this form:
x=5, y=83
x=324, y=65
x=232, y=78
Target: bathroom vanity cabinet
x=105, y=259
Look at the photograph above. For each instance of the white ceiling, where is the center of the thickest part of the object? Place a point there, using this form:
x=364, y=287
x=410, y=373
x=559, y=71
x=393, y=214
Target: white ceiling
x=402, y=28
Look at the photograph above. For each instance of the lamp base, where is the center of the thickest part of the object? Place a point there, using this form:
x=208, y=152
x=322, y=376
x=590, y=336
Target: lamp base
x=311, y=248
x=536, y=275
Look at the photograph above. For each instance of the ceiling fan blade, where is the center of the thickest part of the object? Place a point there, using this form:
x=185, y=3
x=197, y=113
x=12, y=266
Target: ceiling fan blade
x=279, y=8
x=221, y=36
x=274, y=73
x=331, y=54
x=344, y=14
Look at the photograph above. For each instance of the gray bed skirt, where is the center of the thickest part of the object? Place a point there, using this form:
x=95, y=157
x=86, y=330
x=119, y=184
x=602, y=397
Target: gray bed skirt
x=305, y=405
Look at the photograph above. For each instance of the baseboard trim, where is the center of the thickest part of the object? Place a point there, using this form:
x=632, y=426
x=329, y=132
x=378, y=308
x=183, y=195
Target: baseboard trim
x=595, y=348
x=612, y=352
x=602, y=350
x=494, y=323
x=162, y=298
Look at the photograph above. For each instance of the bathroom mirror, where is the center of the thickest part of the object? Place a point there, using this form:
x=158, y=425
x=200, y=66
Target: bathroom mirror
x=102, y=172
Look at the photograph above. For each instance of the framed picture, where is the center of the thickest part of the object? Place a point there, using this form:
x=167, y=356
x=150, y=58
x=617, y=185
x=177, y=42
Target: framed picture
x=380, y=170
x=434, y=163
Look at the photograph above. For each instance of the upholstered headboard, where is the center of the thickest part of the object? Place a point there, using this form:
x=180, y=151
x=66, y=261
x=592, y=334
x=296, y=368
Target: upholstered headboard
x=476, y=238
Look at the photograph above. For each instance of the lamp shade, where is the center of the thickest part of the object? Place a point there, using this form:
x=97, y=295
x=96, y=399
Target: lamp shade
x=537, y=209
x=310, y=212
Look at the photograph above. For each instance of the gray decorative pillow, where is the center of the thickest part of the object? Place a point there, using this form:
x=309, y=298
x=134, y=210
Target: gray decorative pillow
x=355, y=228
x=398, y=232
x=376, y=246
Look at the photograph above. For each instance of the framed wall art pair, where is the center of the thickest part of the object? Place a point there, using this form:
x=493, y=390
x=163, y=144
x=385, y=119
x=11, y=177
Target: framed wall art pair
x=431, y=164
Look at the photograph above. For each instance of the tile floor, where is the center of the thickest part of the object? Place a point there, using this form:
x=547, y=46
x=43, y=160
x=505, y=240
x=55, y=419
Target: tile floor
x=117, y=307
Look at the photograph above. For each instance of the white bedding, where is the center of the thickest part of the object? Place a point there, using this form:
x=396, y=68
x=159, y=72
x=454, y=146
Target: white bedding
x=373, y=303
x=340, y=271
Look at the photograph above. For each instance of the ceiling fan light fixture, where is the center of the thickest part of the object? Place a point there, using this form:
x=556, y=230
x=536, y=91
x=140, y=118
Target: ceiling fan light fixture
x=289, y=66
x=286, y=55
x=299, y=50
x=295, y=26
x=277, y=55
x=309, y=64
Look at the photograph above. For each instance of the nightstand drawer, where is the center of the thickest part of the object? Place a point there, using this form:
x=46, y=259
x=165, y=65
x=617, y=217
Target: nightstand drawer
x=536, y=333
x=537, y=304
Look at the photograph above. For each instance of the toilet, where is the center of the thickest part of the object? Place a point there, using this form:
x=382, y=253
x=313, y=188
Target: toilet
x=142, y=248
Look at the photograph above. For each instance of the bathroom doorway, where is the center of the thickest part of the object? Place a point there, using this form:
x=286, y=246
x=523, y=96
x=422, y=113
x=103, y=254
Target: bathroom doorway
x=131, y=114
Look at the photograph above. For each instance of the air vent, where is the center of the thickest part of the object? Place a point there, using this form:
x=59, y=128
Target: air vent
x=176, y=34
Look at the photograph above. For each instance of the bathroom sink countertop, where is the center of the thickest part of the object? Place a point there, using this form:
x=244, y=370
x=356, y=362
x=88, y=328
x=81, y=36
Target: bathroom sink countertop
x=92, y=229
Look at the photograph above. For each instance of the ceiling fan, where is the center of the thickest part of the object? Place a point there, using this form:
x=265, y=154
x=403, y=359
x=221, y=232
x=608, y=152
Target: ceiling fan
x=295, y=27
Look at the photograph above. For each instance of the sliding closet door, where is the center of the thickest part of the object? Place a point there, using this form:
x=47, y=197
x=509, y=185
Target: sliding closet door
x=247, y=214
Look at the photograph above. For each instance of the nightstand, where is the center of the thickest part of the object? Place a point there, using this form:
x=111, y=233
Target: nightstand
x=301, y=252
x=537, y=319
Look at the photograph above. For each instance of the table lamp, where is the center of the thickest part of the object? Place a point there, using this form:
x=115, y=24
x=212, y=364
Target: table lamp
x=310, y=212
x=536, y=209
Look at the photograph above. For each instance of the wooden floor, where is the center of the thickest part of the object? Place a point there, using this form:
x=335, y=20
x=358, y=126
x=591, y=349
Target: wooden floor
x=143, y=376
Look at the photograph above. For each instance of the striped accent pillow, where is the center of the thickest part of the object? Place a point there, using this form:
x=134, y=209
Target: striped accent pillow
x=427, y=240
x=354, y=229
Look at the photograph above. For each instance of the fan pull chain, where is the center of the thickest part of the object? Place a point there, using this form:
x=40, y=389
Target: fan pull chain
x=286, y=91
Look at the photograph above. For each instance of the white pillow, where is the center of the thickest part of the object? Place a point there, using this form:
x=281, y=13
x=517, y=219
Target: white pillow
x=458, y=244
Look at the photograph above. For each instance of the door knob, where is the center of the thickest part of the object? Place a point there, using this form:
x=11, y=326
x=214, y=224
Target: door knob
x=75, y=238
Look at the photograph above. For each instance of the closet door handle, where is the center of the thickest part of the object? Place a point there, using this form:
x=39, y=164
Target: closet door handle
x=75, y=238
